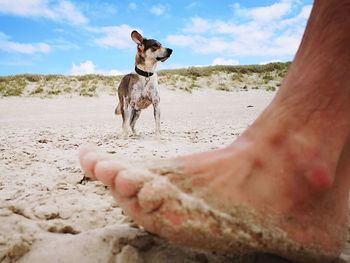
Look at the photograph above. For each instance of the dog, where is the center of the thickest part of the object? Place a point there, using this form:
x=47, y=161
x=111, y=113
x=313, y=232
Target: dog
x=138, y=90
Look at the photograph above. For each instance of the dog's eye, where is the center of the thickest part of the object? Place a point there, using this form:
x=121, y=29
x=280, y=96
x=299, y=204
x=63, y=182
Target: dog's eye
x=156, y=45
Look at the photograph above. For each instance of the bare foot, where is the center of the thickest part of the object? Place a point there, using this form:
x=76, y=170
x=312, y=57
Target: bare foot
x=282, y=186
x=273, y=190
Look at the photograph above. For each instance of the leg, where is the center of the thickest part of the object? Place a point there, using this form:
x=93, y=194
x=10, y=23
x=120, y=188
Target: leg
x=135, y=114
x=156, y=113
x=282, y=187
x=126, y=112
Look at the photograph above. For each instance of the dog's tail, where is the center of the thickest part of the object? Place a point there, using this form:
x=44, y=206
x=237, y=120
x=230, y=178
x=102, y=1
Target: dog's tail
x=118, y=110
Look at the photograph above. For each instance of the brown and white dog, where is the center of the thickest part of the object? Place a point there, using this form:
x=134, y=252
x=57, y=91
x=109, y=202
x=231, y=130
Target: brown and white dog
x=138, y=90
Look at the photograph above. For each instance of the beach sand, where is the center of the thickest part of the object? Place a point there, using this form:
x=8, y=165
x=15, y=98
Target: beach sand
x=50, y=213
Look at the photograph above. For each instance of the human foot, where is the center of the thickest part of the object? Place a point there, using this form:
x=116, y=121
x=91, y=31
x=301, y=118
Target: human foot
x=271, y=192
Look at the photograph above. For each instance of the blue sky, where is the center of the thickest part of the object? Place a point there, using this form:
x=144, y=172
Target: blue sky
x=80, y=37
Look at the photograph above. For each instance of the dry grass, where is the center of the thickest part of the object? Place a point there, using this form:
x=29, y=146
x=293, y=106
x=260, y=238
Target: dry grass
x=225, y=78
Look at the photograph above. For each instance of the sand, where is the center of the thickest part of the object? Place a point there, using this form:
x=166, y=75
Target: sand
x=50, y=213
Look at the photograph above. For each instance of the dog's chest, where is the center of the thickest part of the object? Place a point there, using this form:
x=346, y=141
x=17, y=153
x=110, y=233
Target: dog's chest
x=143, y=96
x=143, y=103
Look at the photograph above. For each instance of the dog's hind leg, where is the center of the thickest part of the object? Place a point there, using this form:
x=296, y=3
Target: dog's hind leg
x=118, y=109
x=135, y=114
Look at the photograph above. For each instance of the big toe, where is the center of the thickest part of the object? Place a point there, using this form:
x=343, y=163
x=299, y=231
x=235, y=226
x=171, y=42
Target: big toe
x=88, y=157
x=98, y=165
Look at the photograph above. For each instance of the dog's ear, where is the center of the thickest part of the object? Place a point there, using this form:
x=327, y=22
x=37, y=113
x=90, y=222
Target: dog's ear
x=137, y=37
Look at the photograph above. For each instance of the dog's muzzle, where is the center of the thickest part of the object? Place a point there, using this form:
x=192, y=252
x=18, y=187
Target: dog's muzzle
x=168, y=53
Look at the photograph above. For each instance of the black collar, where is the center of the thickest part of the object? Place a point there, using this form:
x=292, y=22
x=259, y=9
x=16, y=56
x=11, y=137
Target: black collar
x=143, y=73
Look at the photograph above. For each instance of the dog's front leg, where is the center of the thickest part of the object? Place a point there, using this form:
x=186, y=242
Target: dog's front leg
x=135, y=114
x=156, y=113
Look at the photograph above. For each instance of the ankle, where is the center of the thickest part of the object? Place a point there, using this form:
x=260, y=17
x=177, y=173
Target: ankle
x=299, y=147
x=316, y=126
x=319, y=178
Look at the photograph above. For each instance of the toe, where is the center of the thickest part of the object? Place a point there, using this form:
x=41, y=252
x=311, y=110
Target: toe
x=130, y=181
x=161, y=208
x=153, y=194
x=132, y=208
x=90, y=157
x=85, y=149
x=107, y=171
x=88, y=162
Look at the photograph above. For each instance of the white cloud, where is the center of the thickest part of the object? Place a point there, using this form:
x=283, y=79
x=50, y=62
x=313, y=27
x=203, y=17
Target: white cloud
x=112, y=72
x=132, y=6
x=171, y=66
x=270, y=61
x=274, y=30
x=67, y=11
x=199, y=44
x=305, y=12
x=62, y=11
x=114, y=36
x=99, y=9
x=182, y=40
x=198, y=25
x=178, y=66
x=191, y=5
x=214, y=45
x=25, y=48
x=157, y=10
x=88, y=67
x=25, y=8
x=295, y=21
x=266, y=13
x=223, y=61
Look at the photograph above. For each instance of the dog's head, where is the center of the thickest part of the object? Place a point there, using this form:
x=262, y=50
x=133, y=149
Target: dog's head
x=149, y=50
